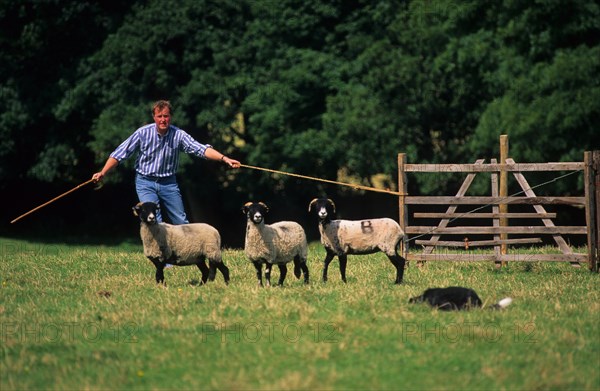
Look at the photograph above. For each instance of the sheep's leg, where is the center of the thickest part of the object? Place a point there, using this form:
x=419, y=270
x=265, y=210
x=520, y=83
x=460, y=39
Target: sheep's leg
x=398, y=263
x=212, y=270
x=300, y=266
x=282, y=273
x=326, y=262
x=268, y=267
x=222, y=268
x=258, y=266
x=305, y=271
x=204, y=270
x=343, y=260
x=160, y=275
x=401, y=266
x=297, y=266
x=224, y=271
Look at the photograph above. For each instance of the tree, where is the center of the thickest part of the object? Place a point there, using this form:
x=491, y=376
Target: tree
x=36, y=41
x=547, y=84
x=328, y=89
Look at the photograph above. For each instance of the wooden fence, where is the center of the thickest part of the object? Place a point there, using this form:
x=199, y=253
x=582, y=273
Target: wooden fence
x=498, y=229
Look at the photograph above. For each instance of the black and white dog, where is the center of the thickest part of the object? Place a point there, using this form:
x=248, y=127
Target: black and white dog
x=455, y=298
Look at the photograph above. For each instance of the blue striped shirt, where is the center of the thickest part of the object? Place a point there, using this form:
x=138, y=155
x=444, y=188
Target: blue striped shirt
x=158, y=155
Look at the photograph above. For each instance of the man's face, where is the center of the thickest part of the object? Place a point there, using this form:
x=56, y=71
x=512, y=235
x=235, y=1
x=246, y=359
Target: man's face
x=162, y=118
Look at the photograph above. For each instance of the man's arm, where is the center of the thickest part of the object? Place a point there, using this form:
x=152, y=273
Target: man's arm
x=111, y=163
x=213, y=154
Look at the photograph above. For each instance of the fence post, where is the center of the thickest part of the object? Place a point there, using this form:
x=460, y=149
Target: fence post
x=592, y=214
x=503, y=191
x=402, y=188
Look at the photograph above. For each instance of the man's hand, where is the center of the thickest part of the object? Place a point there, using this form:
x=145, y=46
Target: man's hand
x=231, y=162
x=97, y=177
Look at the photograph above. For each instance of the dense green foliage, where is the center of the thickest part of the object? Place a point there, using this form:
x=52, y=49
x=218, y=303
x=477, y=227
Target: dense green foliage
x=92, y=317
x=329, y=89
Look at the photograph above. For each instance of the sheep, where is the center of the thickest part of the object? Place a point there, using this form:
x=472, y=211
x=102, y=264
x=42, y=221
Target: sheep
x=180, y=245
x=344, y=237
x=277, y=243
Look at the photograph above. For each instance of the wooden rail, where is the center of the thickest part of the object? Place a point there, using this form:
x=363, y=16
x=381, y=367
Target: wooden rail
x=477, y=243
x=466, y=200
x=514, y=167
x=466, y=230
x=475, y=215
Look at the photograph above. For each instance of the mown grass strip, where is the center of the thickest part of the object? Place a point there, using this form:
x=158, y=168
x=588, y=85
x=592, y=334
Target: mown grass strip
x=74, y=317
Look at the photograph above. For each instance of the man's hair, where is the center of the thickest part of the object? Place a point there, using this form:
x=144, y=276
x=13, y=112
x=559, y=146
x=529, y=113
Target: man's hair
x=161, y=104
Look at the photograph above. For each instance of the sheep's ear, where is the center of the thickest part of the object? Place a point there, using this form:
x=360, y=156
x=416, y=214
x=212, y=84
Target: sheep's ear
x=245, y=207
x=264, y=206
x=332, y=204
x=312, y=203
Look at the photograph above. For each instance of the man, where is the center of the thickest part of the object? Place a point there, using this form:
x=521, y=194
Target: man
x=158, y=146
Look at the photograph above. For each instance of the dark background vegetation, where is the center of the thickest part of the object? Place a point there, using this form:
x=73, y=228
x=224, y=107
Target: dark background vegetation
x=331, y=89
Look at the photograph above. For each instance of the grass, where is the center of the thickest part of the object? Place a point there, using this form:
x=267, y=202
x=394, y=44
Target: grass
x=81, y=317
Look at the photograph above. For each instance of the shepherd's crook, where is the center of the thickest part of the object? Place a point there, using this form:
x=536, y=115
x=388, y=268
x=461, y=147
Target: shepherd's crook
x=52, y=200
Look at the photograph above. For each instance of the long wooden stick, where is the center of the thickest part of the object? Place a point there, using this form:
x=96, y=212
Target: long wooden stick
x=52, y=200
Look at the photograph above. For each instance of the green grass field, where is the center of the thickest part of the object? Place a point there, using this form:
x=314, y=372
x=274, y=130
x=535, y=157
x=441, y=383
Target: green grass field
x=92, y=317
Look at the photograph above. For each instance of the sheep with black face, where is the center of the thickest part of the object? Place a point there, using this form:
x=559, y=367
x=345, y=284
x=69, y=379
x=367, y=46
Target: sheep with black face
x=179, y=245
x=277, y=243
x=346, y=237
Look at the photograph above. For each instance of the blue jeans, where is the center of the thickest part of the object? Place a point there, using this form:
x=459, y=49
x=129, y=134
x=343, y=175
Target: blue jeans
x=164, y=192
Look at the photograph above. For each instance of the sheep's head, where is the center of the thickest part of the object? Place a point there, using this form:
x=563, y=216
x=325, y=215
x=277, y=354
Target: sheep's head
x=255, y=211
x=323, y=207
x=146, y=212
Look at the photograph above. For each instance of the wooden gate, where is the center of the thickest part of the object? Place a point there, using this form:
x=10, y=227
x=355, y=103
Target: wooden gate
x=498, y=229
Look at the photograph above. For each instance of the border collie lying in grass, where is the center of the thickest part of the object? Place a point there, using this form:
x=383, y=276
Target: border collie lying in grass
x=455, y=298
